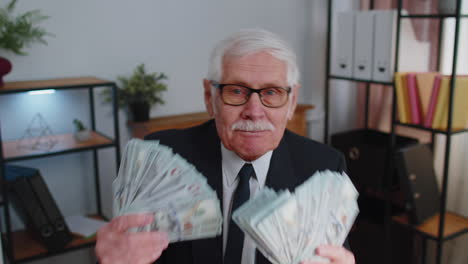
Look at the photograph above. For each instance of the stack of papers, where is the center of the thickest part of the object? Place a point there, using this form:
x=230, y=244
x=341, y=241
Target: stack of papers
x=288, y=227
x=153, y=179
x=83, y=225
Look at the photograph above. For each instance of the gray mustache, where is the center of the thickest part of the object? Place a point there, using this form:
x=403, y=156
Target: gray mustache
x=252, y=126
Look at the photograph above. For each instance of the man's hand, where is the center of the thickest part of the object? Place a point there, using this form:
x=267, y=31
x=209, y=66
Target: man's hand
x=336, y=255
x=115, y=245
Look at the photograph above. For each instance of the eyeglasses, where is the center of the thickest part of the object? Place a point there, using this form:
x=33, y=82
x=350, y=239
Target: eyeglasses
x=235, y=94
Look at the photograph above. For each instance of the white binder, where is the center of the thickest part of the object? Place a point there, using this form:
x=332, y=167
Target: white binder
x=363, y=45
x=384, y=45
x=343, y=60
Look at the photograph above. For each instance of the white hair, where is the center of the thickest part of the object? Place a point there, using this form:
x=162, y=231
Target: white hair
x=251, y=41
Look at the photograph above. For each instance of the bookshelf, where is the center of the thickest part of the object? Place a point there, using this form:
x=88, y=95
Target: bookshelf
x=445, y=225
x=65, y=144
x=455, y=225
x=29, y=249
x=20, y=245
x=140, y=129
x=439, y=131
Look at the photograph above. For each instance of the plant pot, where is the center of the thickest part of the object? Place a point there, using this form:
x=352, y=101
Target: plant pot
x=5, y=68
x=82, y=135
x=139, y=111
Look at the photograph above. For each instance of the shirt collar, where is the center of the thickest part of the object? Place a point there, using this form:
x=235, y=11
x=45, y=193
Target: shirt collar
x=232, y=164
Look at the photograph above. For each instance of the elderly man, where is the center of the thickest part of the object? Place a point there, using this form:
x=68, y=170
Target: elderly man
x=251, y=92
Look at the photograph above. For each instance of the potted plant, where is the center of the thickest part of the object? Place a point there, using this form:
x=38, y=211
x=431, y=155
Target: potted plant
x=18, y=32
x=139, y=92
x=81, y=132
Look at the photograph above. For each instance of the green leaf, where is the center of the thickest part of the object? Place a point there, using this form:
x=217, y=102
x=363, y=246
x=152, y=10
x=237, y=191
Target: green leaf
x=17, y=33
x=139, y=87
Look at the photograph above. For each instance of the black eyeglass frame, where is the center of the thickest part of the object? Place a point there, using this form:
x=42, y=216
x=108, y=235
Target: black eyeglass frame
x=251, y=90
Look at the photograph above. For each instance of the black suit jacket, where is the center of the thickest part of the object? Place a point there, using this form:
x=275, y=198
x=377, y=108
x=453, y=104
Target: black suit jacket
x=292, y=162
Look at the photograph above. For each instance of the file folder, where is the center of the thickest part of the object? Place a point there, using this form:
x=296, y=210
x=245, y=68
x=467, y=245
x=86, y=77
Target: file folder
x=37, y=207
x=30, y=209
x=418, y=181
x=343, y=59
x=50, y=207
x=363, y=45
x=384, y=45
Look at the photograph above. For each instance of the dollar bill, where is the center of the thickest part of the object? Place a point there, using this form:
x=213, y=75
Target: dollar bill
x=153, y=179
x=288, y=227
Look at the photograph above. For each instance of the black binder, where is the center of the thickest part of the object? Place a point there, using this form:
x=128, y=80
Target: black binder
x=37, y=206
x=418, y=181
x=367, y=152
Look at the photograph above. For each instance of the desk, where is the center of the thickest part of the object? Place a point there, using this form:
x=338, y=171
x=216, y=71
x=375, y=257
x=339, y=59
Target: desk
x=297, y=124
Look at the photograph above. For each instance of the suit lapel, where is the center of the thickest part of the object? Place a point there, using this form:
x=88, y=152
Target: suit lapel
x=280, y=176
x=209, y=164
x=281, y=173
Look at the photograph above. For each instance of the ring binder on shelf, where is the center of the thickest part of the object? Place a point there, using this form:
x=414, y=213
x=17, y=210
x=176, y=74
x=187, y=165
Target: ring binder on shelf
x=343, y=60
x=363, y=45
x=415, y=168
x=37, y=206
x=384, y=45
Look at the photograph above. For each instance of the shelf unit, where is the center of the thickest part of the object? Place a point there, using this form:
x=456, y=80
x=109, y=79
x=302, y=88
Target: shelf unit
x=19, y=245
x=437, y=228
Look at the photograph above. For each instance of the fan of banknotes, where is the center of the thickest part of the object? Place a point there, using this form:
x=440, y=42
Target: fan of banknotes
x=287, y=227
x=153, y=179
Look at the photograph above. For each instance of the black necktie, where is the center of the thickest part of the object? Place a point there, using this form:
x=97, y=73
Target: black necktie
x=235, y=240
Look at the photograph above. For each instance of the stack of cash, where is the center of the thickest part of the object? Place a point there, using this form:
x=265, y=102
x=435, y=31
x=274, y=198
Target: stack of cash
x=287, y=228
x=153, y=179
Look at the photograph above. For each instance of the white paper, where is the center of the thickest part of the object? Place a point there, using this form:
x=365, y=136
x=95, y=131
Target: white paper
x=83, y=225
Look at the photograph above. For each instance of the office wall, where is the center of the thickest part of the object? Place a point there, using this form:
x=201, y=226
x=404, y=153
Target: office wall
x=108, y=38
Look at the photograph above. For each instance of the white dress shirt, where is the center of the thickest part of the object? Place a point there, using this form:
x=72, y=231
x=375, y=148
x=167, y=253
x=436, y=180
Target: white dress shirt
x=232, y=164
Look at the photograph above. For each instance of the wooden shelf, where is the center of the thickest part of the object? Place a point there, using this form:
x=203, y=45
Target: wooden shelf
x=436, y=16
x=19, y=150
x=27, y=247
x=358, y=80
x=140, y=129
x=454, y=225
x=63, y=83
x=24, y=246
x=441, y=131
